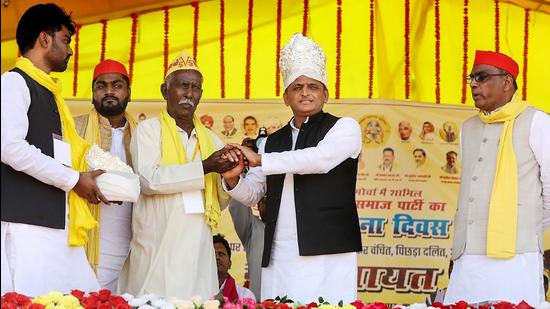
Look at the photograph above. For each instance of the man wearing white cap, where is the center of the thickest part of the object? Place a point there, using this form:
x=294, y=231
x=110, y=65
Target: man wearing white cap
x=176, y=157
x=308, y=169
x=109, y=126
x=504, y=200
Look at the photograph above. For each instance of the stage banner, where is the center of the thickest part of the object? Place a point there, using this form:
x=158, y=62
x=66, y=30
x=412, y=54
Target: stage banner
x=407, y=185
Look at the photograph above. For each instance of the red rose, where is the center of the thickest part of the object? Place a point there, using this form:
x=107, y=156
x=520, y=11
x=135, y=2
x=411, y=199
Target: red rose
x=268, y=304
x=123, y=306
x=36, y=306
x=104, y=306
x=358, y=304
x=460, y=305
x=90, y=302
x=283, y=306
x=104, y=295
x=484, y=307
x=10, y=297
x=116, y=300
x=312, y=305
x=524, y=305
x=78, y=294
x=376, y=306
x=8, y=305
x=440, y=305
x=503, y=305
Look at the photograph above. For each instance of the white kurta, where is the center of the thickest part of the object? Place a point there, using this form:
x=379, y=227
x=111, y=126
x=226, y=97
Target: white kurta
x=304, y=278
x=115, y=227
x=477, y=278
x=171, y=253
x=35, y=259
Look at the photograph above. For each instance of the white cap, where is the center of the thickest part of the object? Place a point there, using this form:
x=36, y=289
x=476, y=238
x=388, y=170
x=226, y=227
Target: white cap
x=302, y=56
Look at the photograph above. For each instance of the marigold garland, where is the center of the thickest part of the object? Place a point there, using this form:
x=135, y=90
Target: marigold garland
x=195, y=29
x=103, y=38
x=525, y=53
x=278, y=49
x=338, y=46
x=305, y=17
x=407, y=50
x=437, y=54
x=75, y=67
x=166, y=41
x=222, y=49
x=497, y=26
x=248, y=50
x=132, y=56
x=371, y=49
x=465, y=54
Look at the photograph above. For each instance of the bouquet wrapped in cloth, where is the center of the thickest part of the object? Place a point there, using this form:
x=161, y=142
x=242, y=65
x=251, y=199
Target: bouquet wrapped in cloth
x=118, y=183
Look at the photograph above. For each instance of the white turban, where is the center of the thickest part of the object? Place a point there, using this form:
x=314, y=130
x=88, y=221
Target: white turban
x=302, y=56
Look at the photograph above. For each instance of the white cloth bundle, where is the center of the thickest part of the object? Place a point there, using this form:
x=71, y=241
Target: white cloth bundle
x=118, y=183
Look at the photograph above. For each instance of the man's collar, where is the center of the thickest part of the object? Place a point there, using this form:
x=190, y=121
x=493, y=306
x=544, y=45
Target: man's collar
x=309, y=120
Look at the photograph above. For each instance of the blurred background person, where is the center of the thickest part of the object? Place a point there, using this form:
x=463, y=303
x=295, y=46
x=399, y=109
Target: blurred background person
x=228, y=126
x=427, y=133
x=419, y=159
x=207, y=120
x=387, y=160
x=250, y=126
x=405, y=130
x=450, y=167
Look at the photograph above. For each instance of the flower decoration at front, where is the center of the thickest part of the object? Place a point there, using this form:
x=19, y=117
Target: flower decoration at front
x=56, y=300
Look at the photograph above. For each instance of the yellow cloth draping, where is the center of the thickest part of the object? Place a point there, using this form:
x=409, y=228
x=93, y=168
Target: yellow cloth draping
x=502, y=222
x=92, y=136
x=173, y=152
x=80, y=218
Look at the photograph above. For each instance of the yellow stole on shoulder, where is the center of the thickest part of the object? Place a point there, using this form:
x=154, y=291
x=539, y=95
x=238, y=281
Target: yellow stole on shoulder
x=173, y=152
x=80, y=219
x=92, y=136
x=503, y=207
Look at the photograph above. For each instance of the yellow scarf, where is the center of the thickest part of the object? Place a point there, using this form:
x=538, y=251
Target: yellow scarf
x=173, y=152
x=80, y=219
x=93, y=136
x=503, y=207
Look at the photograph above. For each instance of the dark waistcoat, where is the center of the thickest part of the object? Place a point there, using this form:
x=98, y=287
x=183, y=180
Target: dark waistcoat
x=24, y=198
x=326, y=213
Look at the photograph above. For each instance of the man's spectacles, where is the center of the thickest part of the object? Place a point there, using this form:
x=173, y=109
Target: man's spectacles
x=481, y=77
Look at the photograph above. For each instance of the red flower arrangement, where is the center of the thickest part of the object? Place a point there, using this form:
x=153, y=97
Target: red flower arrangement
x=102, y=299
x=13, y=300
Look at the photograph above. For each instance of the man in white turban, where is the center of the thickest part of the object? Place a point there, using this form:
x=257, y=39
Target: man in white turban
x=308, y=170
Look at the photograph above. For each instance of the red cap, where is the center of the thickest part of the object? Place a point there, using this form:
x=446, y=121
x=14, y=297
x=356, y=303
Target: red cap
x=109, y=66
x=498, y=60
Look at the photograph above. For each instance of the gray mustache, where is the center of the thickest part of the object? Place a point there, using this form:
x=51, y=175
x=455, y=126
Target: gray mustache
x=186, y=101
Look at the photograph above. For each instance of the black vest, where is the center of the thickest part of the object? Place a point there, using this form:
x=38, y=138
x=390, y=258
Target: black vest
x=24, y=198
x=326, y=213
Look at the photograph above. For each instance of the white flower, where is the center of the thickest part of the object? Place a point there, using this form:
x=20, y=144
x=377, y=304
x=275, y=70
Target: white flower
x=146, y=307
x=418, y=306
x=167, y=305
x=543, y=305
x=211, y=304
x=127, y=296
x=136, y=302
x=197, y=300
x=150, y=296
x=181, y=304
x=159, y=302
x=99, y=159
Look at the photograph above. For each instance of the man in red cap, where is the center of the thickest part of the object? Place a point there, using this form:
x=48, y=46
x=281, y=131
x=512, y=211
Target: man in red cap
x=109, y=126
x=504, y=200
